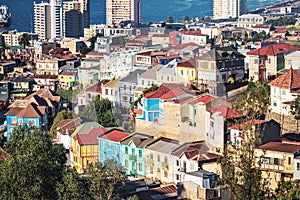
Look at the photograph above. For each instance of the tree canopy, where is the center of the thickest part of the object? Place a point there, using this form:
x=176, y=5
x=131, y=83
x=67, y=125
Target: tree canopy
x=34, y=165
x=62, y=115
x=101, y=111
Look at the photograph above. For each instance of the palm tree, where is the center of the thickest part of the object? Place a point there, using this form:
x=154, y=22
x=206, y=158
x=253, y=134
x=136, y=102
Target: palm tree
x=24, y=40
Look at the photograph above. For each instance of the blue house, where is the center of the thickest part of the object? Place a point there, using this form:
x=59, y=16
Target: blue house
x=110, y=146
x=30, y=115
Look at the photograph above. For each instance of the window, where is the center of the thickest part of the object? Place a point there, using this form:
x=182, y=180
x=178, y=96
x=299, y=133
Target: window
x=124, y=87
x=289, y=161
x=181, y=72
x=151, y=156
x=192, y=73
x=166, y=159
x=255, y=61
x=177, y=177
x=177, y=162
x=126, y=150
x=140, y=167
x=161, y=78
x=106, y=91
x=298, y=166
x=274, y=104
x=158, y=158
x=276, y=161
x=142, y=82
x=187, y=72
x=140, y=153
x=168, y=78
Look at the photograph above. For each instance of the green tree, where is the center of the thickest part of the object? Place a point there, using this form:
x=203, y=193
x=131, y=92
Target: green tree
x=34, y=166
x=101, y=111
x=170, y=19
x=241, y=173
x=145, y=91
x=72, y=186
x=24, y=40
x=105, y=180
x=295, y=109
x=287, y=190
x=62, y=115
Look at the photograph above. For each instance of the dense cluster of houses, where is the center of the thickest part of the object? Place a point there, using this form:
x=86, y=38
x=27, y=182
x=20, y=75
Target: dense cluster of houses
x=182, y=127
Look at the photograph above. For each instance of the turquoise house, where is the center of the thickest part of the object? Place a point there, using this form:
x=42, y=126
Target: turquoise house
x=133, y=154
x=110, y=146
x=31, y=115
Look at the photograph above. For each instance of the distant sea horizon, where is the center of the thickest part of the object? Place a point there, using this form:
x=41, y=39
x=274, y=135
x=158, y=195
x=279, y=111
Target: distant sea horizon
x=151, y=11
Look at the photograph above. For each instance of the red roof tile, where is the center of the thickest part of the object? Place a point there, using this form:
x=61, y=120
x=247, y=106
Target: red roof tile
x=280, y=147
x=97, y=88
x=186, y=64
x=90, y=137
x=185, y=45
x=288, y=80
x=273, y=49
x=115, y=135
x=195, y=33
x=226, y=112
x=166, y=192
x=67, y=73
x=203, y=99
x=170, y=90
x=30, y=111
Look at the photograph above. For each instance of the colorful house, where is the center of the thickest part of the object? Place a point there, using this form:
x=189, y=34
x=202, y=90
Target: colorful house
x=110, y=146
x=85, y=148
x=186, y=72
x=31, y=115
x=133, y=154
x=67, y=79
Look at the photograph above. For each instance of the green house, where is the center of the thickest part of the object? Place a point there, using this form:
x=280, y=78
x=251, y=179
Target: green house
x=133, y=154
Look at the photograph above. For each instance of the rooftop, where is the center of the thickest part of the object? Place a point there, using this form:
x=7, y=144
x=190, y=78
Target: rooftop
x=273, y=49
x=114, y=135
x=90, y=137
x=163, y=145
x=288, y=80
x=140, y=140
x=280, y=147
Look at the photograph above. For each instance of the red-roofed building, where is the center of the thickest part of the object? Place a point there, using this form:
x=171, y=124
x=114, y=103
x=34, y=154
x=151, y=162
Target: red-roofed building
x=85, y=148
x=284, y=90
x=110, y=146
x=265, y=62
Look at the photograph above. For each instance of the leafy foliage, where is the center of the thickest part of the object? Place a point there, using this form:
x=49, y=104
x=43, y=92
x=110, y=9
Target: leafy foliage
x=287, y=190
x=34, y=166
x=101, y=111
x=67, y=94
x=106, y=180
x=241, y=173
x=24, y=40
x=145, y=91
x=283, y=21
x=295, y=109
x=62, y=115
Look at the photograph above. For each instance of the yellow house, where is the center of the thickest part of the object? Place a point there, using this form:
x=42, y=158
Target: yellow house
x=85, y=149
x=277, y=161
x=67, y=79
x=186, y=72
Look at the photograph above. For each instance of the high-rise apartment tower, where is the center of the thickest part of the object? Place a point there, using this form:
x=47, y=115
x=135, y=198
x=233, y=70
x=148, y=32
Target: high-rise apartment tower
x=122, y=10
x=225, y=9
x=42, y=20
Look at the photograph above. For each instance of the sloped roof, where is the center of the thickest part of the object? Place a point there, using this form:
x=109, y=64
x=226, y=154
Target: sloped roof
x=90, y=137
x=288, y=80
x=85, y=127
x=187, y=64
x=114, y=135
x=221, y=53
x=132, y=76
x=185, y=45
x=273, y=49
x=71, y=124
x=163, y=145
x=140, y=140
x=280, y=147
x=46, y=93
x=30, y=111
x=96, y=88
x=165, y=192
x=224, y=111
x=169, y=90
x=113, y=83
x=68, y=73
x=205, y=99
